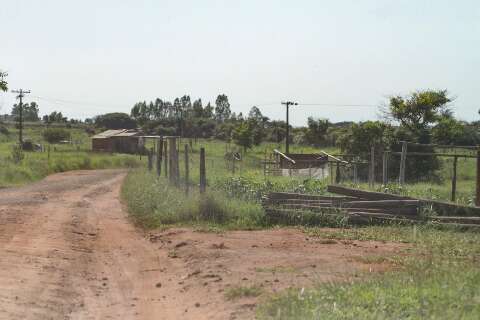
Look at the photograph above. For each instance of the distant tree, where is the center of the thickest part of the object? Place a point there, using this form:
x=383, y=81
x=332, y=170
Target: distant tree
x=116, y=120
x=419, y=110
x=55, y=116
x=222, y=108
x=197, y=109
x=317, y=130
x=3, y=82
x=243, y=136
x=30, y=111
x=208, y=112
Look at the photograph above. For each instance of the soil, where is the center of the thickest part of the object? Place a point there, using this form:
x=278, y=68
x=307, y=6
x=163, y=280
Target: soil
x=68, y=251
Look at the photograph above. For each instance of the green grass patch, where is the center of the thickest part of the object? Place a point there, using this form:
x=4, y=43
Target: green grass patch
x=439, y=278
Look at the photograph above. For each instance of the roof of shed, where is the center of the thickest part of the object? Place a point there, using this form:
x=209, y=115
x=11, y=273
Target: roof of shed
x=116, y=133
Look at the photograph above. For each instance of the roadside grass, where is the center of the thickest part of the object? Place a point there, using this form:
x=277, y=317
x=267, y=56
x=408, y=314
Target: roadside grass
x=243, y=292
x=153, y=203
x=436, y=277
x=63, y=157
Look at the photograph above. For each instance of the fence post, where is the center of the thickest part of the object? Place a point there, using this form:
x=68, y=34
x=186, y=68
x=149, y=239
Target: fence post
x=172, y=146
x=187, y=172
x=403, y=159
x=385, y=168
x=454, y=178
x=338, y=176
x=159, y=156
x=177, y=165
x=355, y=173
x=203, y=178
x=150, y=160
x=165, y=162
x=477, y=198
x=371, y=171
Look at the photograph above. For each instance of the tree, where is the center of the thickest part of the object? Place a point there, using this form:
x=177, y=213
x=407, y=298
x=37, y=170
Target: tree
x=3, y=82
x=419, y=110
x=29, y=112
x=317, y=130
x=242, y=135
x=55, y=116
x=197, y=109
x=222, y=108
x=116, y=120
x=208, y=112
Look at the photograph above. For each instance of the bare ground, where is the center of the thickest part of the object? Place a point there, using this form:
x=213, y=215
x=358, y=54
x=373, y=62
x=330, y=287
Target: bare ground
x=68, y=251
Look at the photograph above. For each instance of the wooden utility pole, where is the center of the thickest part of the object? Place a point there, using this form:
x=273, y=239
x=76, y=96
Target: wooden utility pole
x=187, y=170
x=203, y=178
x=21, y=94
x=403, y=159
x=454, y=179
x=287, y=141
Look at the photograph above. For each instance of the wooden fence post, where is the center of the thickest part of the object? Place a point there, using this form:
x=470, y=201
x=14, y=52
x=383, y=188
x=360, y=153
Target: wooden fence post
x=338, y=176
x=172, y=148
x=477, y=198
x=454, y=179
x=187, y=172
x=385, y=168
x=371, y=170
x=177, y=166
x=355, y=173
x=150, y=159
x=403, y=159
x=165, y=162
x=203, y=178
x=159, y=156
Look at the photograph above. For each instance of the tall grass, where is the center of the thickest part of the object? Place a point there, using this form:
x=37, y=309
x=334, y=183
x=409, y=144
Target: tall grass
x=152, y=202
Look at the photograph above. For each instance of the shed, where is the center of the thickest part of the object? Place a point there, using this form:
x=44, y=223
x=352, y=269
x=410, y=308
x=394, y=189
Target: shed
x=120, y=140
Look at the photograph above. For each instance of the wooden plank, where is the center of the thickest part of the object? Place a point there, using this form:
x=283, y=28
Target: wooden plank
x=403, y=159
x=454, y=180
x=187, y=170
x=284, y=155
x=289, y=195
x=365, y=195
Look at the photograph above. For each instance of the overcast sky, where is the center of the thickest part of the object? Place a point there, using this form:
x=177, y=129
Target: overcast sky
x=90, y=57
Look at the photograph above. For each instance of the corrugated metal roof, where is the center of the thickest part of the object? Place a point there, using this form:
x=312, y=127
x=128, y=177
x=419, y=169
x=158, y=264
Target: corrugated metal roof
x=116, y=133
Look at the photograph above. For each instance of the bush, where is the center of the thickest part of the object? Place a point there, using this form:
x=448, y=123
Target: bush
x=55, y=135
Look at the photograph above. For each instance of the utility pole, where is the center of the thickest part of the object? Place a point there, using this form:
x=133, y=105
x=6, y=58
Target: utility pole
x=287, y=142
x=21, y=94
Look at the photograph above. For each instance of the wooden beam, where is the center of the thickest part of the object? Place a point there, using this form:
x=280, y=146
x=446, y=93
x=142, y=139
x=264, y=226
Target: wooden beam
x=284, y=155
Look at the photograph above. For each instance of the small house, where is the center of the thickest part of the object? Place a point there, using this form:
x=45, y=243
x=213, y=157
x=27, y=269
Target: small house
x=120, y=140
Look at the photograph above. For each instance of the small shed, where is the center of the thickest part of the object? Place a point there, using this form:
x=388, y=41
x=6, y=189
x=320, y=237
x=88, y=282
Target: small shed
x=300, y=164
x=120, y=140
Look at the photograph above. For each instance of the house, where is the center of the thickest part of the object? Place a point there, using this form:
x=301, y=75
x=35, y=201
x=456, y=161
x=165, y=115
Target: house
x=120, y=140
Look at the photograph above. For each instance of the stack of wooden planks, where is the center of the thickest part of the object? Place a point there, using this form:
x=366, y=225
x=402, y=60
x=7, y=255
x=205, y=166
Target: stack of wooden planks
x=369, y=207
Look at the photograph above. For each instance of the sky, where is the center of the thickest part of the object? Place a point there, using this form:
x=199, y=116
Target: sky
x=90, y=57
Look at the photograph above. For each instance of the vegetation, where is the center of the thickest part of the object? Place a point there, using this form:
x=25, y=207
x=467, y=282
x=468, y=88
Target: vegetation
x=3, y=82
x=20, y=167
x=425, y=285
x=55, y=135
x=243, y=292
x=115, y=120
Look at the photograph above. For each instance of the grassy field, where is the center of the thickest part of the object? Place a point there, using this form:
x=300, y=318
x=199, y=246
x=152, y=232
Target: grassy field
x=63, y=157
x=436, y=277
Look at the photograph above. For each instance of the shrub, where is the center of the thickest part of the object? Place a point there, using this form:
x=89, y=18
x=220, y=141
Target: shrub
x=55, y=135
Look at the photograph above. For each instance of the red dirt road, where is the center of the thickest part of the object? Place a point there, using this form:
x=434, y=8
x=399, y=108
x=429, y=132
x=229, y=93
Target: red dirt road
x=68, y=251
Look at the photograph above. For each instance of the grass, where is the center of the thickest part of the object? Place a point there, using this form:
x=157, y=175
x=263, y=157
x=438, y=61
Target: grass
x=153, y=203
x=243, y=292
x=63, y=157
x=439, y=278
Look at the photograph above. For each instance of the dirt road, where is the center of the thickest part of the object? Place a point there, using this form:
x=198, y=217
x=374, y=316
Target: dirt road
x=68, y=251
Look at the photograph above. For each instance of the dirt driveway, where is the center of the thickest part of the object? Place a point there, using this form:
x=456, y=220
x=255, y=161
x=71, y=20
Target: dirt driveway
x=68, y=251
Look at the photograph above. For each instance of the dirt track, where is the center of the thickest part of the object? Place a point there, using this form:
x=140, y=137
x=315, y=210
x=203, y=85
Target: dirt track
x=68, y=251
